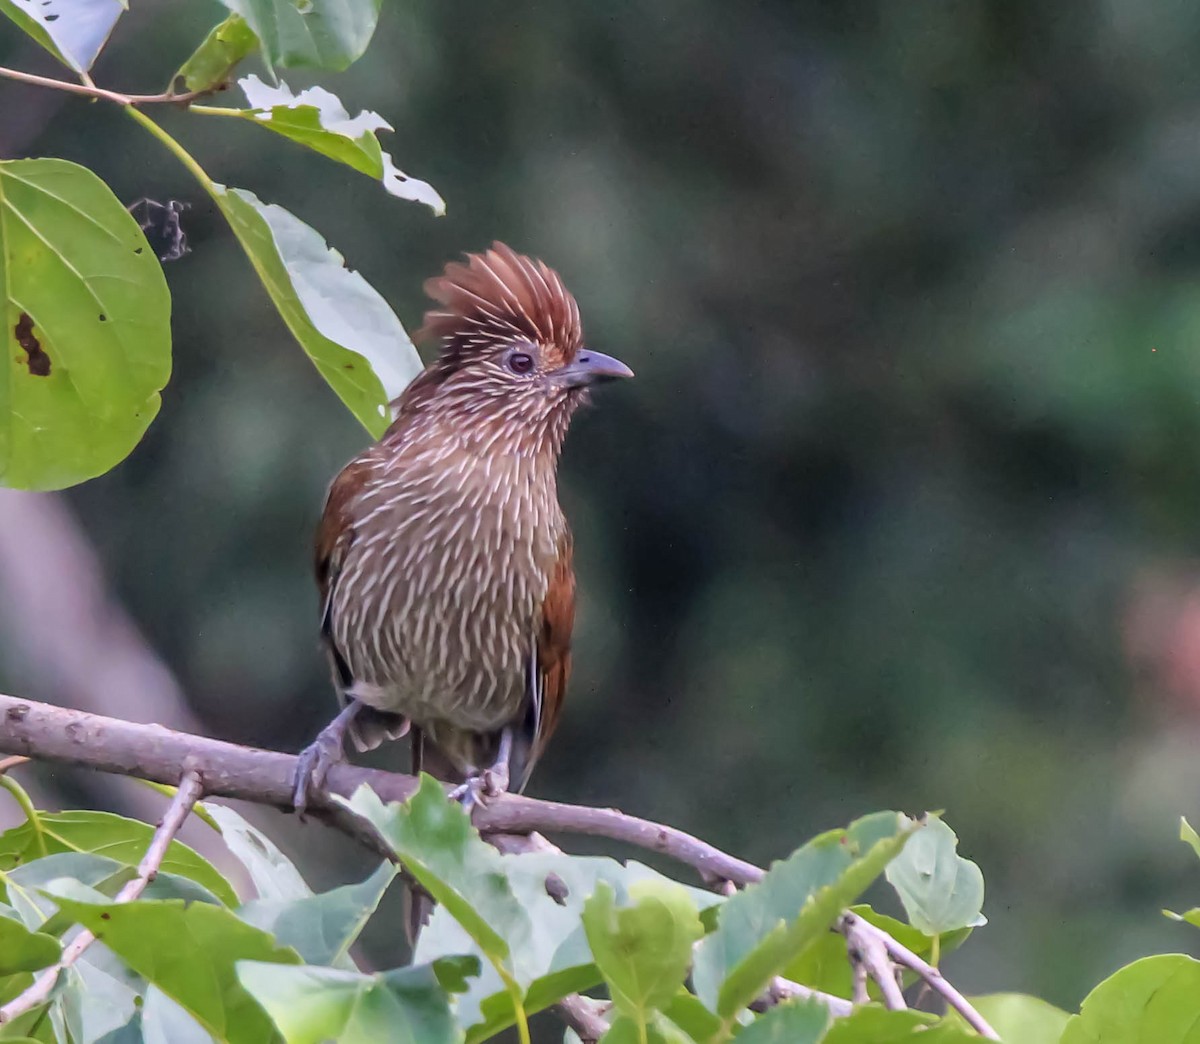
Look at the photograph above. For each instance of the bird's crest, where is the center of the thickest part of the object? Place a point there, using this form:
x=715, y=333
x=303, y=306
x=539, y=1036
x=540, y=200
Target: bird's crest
x=497, y=297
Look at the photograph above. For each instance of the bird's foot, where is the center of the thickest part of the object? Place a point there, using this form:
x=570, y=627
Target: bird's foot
x=315, y=761
x=481, y=788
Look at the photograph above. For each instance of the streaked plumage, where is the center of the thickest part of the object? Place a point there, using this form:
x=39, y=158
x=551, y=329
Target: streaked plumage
x=443, y=557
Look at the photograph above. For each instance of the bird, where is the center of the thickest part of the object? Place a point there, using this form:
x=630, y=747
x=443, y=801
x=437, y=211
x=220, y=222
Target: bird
x=444, y=561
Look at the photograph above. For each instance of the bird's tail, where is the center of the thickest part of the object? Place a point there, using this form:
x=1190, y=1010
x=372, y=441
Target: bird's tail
x=418, y=906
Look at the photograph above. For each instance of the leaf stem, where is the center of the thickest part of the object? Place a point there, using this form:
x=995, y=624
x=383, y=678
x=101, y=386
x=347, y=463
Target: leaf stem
x=217, y=110
x=180, y=153
x=21, y=797
x=518, y=1003
x=89, y=89
x=935, y=950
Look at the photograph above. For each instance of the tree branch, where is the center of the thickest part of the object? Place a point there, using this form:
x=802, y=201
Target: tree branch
x=585, y=1016
x=869, y=957
x=903, y=956
x=264, y=777
x=189, y=792
x=70, y=737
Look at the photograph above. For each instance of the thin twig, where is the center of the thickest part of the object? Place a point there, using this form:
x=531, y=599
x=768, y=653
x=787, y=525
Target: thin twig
x=782, y=990
x=90, y=90
x=903, y=956
x=6, y=764
x=869, y=958
x=190, y=790
x=584, y=1015
x=860, y=993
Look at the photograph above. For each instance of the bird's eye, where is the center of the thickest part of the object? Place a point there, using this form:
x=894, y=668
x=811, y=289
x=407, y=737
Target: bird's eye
x=521, y=363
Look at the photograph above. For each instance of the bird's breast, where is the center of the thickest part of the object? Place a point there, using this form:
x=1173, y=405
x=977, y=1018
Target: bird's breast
x=436, y=607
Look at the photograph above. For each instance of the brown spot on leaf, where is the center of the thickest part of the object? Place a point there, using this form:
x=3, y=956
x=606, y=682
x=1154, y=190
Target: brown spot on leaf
x=37, y=360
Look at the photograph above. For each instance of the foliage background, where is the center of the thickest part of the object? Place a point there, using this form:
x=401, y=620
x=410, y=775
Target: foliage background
x=900, y=511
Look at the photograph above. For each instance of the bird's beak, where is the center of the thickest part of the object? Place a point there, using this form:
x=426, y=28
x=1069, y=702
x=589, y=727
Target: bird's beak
x=590, y=367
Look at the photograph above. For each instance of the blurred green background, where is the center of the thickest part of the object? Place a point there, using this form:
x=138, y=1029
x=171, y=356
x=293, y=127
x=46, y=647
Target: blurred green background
x=903, y=508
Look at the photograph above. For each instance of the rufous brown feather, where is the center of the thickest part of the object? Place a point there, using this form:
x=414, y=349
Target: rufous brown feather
x=443, y=559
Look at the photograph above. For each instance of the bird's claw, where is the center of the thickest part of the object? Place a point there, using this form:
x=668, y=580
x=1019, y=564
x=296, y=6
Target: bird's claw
x=313, y=767
x=481, y=788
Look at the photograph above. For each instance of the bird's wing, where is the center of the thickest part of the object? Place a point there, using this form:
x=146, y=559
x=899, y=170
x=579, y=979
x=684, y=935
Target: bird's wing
x=335, y=536
x=550, y=662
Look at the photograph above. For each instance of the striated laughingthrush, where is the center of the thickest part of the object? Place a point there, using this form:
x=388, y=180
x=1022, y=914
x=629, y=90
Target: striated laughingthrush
x=443, y=558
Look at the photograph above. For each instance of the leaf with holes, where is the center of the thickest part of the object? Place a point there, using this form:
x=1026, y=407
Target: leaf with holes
x=324, y=34
x=351, y=334
x=86, y=326
x=316, y=119
x=74, y=31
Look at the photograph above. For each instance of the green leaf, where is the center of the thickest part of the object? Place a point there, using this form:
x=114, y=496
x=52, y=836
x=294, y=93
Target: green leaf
x=688, y=1012
x=824, y=966
x=189, y=952
x=22, y=950
x=26, y=886
x=322, y=927
x=327, y=34
x=941, y=891
x=317, y=119
x=626, y=1030
x=1191, y=916
x=1153, y=999
x=770, y=924
x=1020, y=1018
x=86, y=326
x=74, y=31
x=273, y=875
x=352, y=336
x=213, y=61
x=797, y=1022
x=310, y=1005
x=644, y=950
x=165, y=1022
x=1188, y=835
x=555, y=960
x=873, y=1025
x=435, y=840
x=98, y=996
x=114, y=837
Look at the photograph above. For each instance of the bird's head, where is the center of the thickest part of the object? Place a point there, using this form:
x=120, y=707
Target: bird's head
x=509, y=342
